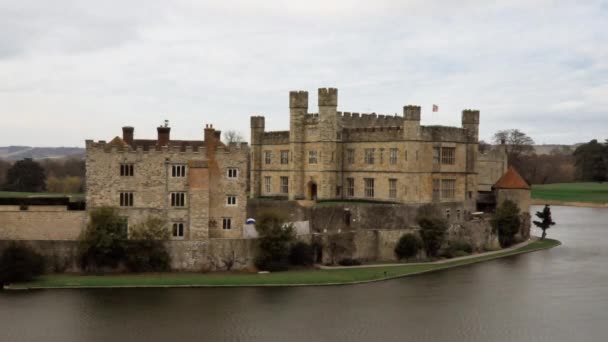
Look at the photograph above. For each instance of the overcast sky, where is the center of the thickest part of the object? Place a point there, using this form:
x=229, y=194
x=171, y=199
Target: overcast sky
x=76, y=70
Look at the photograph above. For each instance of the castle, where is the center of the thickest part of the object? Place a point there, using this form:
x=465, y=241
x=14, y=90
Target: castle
x=372, y=171
x=199, y=186
x=332, y=155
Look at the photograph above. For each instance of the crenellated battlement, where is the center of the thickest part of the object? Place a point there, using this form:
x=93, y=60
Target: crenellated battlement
x=357, y=120
x=298, y=99
x=195, y=150
x=328, y=97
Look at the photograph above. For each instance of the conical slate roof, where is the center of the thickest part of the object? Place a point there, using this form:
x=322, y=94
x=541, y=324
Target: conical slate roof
x=511, y=180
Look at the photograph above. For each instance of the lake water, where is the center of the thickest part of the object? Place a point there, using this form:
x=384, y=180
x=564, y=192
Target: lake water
x=554, y=295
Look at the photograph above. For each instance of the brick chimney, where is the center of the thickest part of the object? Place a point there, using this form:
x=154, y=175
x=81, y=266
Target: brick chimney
x=212, y=138
x=163, y=135
x=127, y=134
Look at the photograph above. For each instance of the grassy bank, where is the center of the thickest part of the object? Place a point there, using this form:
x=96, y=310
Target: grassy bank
x=572, y=192
x=304, y=277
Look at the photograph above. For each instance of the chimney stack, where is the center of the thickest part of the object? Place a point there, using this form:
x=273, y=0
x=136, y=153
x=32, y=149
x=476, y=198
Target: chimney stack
x=127, y=135
x=163, y=135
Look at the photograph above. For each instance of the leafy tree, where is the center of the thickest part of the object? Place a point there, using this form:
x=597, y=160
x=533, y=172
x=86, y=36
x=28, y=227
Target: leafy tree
x=591, y=161
x=546, y=220
x=146, y=250
x=275, y=238
x=19, y=263
x=103, y=243
x=506, y=222
x=433, y=228
x=26, y=175
x=517, y=143
x=407, y=246
x=301, y=254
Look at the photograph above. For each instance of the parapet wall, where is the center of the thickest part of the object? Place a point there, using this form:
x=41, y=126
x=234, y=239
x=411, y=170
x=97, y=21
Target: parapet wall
x=195, y=150
x=373, y=134
x=276, y=138
x=363, y=120
x=443, y=133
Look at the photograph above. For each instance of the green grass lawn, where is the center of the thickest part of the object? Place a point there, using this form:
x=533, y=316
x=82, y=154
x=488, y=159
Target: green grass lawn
x=303, y=277
x=14, y=194
x=572, y=192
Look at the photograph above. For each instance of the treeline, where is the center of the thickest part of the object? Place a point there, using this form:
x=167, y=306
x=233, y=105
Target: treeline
x=587, y=163
x=50, y=175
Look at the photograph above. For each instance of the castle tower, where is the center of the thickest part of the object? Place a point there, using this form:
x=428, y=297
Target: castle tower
x=257, y=138
x=470, y=122
x=329, y=136
x=298, y=108
x=411, y=122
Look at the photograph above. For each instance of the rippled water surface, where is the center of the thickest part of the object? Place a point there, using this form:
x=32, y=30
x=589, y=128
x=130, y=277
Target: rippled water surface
x=555, y=295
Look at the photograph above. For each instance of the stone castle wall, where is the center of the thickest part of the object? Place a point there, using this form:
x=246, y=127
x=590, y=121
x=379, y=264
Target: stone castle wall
x=46, y=223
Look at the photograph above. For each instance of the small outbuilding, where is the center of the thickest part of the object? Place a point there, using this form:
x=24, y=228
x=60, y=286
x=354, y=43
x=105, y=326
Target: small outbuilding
x=512, y=186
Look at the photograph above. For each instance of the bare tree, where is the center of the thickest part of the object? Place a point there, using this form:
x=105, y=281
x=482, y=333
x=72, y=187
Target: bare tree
x=483, y=146
x=233, y=137
x=518, y=143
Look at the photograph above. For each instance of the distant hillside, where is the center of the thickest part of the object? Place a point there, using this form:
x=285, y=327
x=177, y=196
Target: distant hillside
x=20, y=152
x=547, y=149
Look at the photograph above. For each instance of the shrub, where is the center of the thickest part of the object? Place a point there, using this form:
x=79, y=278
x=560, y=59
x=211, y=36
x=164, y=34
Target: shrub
x=301, y=254
x=349, y=262
x=407, y=247
x=146, y=250
x=432, y=228
x=19, y=263
x=462, y=246
x=103, y=243
x=275, y=239
x=506, y=223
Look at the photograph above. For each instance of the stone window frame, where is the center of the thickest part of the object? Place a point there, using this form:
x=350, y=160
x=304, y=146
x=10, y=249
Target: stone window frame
x=436, y=189
x=350, y=156
x=126, y=198
x=393, y=153
x=268, y=157
x=392, y=188
x=178, y=199
x=448, y=188
x=232, y=173
x=232, y=201
x=369, y=187
x=178, y=230
x=226, y=223
x=448, y=155
x=126, y=170
x=350, y=187
x=268, y=184
x=178, y=170
x=312, y=157
x=436, y=155
x=284, y=157
x=284, y=184
x=370, y=156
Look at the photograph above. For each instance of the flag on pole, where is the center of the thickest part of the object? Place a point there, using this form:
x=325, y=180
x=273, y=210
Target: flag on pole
x=435, y=108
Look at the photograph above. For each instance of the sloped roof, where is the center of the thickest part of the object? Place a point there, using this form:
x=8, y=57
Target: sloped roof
x=118, y=142
x=511, y=180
